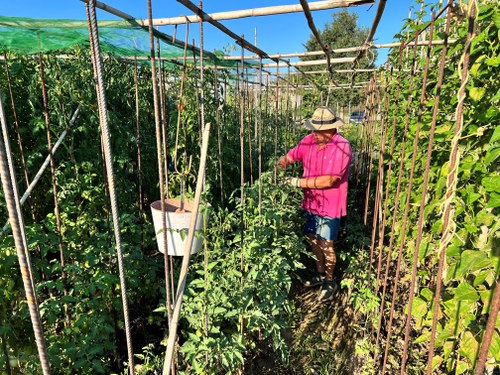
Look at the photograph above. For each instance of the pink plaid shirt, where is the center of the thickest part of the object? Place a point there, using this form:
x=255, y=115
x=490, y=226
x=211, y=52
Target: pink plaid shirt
x=333, y=159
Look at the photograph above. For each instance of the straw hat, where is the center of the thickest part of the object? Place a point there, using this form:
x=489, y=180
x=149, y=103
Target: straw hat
x=323, y=118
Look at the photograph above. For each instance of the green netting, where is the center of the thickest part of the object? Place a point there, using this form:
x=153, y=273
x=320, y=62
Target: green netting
x=28, y=36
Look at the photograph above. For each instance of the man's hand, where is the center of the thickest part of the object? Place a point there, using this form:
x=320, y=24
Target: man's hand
x=292, y=181
x=283, y=162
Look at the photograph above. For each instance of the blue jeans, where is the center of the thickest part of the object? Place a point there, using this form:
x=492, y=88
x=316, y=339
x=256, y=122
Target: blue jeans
x=322, y=226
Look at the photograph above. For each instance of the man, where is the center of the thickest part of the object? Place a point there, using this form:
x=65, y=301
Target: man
x=325, y=156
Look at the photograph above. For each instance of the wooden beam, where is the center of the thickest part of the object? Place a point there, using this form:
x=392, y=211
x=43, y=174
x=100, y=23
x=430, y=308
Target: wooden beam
x=371, y=33
x=339, y=50
x=239, y=40
x=256, y=12
x=340, y=85
x=324, y=47
x=411, y=44
x=309, y=88
x=296, y=54
x=315, y=62
x=340, y=71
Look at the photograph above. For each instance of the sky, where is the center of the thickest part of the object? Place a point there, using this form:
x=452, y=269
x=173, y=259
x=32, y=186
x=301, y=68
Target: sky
x=286, y=33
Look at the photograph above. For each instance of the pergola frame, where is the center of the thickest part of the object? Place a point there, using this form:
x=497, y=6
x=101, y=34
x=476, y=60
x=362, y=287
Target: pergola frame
x=257, y=12
x=259, y=53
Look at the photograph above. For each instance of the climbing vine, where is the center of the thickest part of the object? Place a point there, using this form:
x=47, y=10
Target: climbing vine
x=471, y=259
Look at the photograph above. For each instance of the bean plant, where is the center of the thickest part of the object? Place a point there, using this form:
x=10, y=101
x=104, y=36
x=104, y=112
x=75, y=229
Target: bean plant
x=471, y=259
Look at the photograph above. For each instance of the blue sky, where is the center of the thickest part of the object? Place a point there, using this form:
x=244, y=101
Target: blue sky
x=276, y=34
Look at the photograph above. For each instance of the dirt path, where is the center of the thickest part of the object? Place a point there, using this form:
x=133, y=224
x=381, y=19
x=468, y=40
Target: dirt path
x=325, y=336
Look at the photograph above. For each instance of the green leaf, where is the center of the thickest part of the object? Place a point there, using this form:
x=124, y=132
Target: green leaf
x=491, y=183
x=97, y=366
x=496, y=97
x=419, y=307
x=424, y=337
x=482, y=276
x=495, y=347
x=461, y=367
x=492, y=154
x=427, y=294
x=494, y=200
x=219, y=310
x=472, y=261
x=239, y=357
x=436, y=361
x=486, y=300
x=496, y=134
x=466, y=292
x=476, y=93
x=472, y=197
x=496, y=19
x=493, y=61
x=485, y=217
x=469, y=346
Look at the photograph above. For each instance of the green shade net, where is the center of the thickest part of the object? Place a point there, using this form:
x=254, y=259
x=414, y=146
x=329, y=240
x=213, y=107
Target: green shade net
x=27, y=36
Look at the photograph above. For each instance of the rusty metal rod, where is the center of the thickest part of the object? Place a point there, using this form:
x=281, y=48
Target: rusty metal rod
x=372, y=123
x=105, y=134
x=488, y=332
x=398, y=189
x=241, y=97
x=22, y=250
x=425, y=183
x=54, y=185
x=389, y=170
x=380, y=173
x=408, y=193
x=139, y=154
x=218, y=125
x=452, y=179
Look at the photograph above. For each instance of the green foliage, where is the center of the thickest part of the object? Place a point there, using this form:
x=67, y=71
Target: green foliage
x=472, y=258
x=237, y=297
x=241, y=280
x=84, y=326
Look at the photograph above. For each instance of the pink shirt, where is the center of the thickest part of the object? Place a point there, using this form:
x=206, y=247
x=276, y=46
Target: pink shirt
x=333, y=160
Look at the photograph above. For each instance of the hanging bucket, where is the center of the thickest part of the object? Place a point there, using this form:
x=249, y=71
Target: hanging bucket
x=177, y=224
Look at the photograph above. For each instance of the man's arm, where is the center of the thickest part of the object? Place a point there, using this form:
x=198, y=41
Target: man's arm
x=320, y=182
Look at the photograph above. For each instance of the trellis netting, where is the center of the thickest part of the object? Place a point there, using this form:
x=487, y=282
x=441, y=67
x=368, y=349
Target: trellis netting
x=27, y=36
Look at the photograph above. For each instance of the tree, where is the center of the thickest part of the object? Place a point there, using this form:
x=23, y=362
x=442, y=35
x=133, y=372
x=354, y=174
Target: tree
x=343, y=31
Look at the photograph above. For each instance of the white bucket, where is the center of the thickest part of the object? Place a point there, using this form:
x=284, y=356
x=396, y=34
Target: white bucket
x=177, y=224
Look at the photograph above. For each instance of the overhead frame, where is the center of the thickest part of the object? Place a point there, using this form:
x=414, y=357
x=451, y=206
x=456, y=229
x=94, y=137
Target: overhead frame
x=257, y=12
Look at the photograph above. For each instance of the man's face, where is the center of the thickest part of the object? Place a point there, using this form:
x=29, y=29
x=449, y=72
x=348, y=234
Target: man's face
x=323, y=136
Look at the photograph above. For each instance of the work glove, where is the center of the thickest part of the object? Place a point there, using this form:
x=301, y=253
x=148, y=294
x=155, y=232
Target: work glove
x=292, y=181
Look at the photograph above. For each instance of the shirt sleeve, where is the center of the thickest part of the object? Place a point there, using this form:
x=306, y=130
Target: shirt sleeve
x=296, y=153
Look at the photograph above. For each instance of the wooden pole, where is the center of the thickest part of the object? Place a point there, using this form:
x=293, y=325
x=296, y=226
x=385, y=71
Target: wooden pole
x=340, y=60
x=281, y=55
x=257, y=12
x=187, y=255
x=340, y=50
x=324, y=47
x=207, y=18
x=369, y=38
